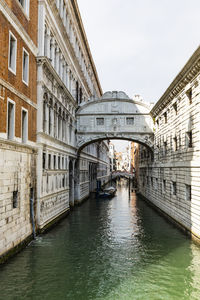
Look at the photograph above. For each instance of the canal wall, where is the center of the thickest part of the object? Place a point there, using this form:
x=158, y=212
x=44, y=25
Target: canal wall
x=17, y=186
x=169, y=176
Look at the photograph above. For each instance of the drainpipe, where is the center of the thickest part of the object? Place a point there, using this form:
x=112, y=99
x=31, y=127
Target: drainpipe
x=32, y=214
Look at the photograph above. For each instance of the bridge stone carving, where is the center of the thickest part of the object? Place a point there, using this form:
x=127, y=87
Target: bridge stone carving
x=114, y=116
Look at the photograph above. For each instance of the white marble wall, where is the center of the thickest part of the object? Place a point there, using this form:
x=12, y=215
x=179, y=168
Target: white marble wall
x=168, y=180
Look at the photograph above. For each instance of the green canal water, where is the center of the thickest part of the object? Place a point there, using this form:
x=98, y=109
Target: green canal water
x=114, y=249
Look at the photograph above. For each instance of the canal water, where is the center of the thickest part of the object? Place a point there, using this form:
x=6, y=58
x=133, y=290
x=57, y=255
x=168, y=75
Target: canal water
x=114, y=249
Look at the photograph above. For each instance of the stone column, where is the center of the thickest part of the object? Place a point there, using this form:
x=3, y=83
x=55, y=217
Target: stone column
x=70, y=81
x=61, y=9
x=63, y=129
x=47, y=119
x=48, y=40
x=65, y=74
x=52, y=51
x=44, y=117
x=41, y=27
x=63, y=71
x=67, y=77
x=52, y=121
x=60, y=66
x=66, y=130
x=57, y=3
x=67, y=23
x=55, y=124
x=45, y=41
x=74, y=89
x=64, y=15
x=57, y=59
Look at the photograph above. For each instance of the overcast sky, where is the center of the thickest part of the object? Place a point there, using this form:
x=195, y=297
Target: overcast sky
x=139, y=46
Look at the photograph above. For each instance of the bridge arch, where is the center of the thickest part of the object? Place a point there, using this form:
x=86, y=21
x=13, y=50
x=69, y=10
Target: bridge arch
x=114, y=116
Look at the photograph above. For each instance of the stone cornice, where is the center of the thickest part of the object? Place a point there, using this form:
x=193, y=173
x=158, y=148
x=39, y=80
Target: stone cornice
x=186, y=75
x=83, y=105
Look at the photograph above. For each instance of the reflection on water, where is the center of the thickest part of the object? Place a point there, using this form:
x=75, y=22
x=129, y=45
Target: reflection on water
x=106, y=249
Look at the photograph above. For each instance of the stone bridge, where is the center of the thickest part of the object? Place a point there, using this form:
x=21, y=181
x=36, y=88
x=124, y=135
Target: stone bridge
x=114, y=116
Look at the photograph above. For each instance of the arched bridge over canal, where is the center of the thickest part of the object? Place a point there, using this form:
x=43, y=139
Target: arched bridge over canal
x=114, y=116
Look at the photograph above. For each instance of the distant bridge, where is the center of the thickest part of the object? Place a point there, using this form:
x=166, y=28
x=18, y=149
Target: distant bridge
x=117, y=174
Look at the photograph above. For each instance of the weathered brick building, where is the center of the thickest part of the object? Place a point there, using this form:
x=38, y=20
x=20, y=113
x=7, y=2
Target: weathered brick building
x=18, y=113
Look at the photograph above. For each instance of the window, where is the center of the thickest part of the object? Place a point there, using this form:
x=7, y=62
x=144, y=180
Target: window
x=59, y=167
x=11, y=120
x=54, y=161
x=15, y=199
x=165, y=117
x=77, y=92
x=49, y=162
x=189, y=139
x=165, y=148
x=175, y=108
x=179, y=140
x=156, y=184
x=81, y=95
x=24, y=125
x=25, y=67
x=12, y=55
x=164, y=186
x=25, y=5
x=188, y=194
x=63, y=163
x=173, y=188
x=175, y=143
x=100, y=121
x=129, y=121
x=44, y=160
x=189, y=95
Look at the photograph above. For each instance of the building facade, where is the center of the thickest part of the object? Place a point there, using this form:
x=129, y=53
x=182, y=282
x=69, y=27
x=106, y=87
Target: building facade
x=47, y=71
x=123, y=159
x=171, y=180
x=112, y=154
x=18, y=113
x=67, y=77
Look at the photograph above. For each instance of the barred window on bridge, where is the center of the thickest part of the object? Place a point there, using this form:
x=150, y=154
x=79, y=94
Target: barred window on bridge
x=100, y=121
x=129, y=121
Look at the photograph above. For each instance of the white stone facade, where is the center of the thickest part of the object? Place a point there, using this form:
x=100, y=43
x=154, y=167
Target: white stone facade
x=114, y=116
x=66, y=77
x=171, y=181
